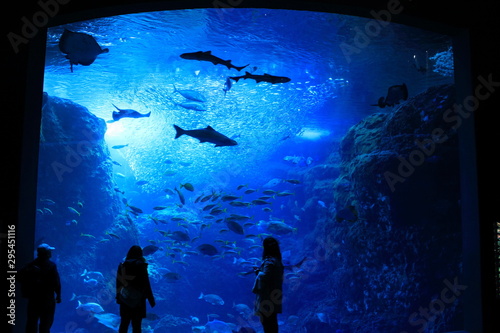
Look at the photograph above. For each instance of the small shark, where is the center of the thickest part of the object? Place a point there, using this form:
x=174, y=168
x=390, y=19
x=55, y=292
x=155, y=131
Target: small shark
x=207, y=56
x=206, y=135
x=262, y=78
x=394, y=95
x=127, y=113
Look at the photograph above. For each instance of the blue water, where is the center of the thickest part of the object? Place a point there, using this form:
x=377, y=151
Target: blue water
x=282, y=130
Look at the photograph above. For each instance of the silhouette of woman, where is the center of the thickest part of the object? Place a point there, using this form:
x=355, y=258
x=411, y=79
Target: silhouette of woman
x=268, y=286
x=132, y=290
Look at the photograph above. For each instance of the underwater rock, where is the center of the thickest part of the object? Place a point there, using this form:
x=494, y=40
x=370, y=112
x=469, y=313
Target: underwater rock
x=173, y=324
x=75, y=174
x=407, y=237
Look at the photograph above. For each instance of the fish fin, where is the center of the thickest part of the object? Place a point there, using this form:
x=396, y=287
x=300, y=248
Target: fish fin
x=248, y=73
x=178, y=131
x=147, y=114
x=235, y=78
x=115, y=107
x=210, y=128
x=240, y=68
x=207, y=52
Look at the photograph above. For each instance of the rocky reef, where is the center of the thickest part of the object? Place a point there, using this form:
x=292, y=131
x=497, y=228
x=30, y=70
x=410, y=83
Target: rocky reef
x=398, y=175
x=78, y=210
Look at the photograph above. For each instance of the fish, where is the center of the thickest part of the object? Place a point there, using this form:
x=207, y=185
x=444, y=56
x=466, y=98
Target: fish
x=150, y=249
x=207, y=249
x=273, y=182
x=90, y=307
x=74, y=211
x=269, y=192
x=181, y=196
x=192, y=95
x=87, y=235
x=229, y=197
x=172, y=276
x=240, y=204
x=160, y=207
x=178, y=236
x=279, y=228
x=135, y=209
x=241, y=186
x=217, y=211
x=96, y=274
x=188, y=187
x=127, y=113
x=207, y=134
x=208, y=207
x=207, y=56
x=395, y=95
x=292, y=181
x=262, y=78
x=284, y=194
x=322, y=203
x=212, y=299
x=80, y=48
x=120, y=146
x=250, y=190
x=227, y=85
x=238, y=217
x=191, y=105
x=91, y=282
x=235, y=227
x=110, y=320
x=112, y=235
x=260, y=202
x=349, y=214
x=142, y=182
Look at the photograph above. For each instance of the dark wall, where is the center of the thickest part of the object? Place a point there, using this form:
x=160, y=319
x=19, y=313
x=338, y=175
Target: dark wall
x=22, y=90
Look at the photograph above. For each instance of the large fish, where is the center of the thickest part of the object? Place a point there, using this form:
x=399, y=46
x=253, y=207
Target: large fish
x=206, y=135
x=80, y=48
x=262, y=78
x=192, y=95
x=395, y=95
x=128, y=113
x=207, y=56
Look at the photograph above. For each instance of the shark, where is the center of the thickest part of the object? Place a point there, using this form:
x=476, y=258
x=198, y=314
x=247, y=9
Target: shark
x=207, y=134
x=208, y=56
x=262, y=78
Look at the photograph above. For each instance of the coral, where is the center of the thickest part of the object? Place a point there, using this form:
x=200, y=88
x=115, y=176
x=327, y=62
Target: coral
x=443, y=62
x=406, y=241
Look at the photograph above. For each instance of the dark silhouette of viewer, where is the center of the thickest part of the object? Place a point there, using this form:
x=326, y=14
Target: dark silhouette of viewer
x=132, y=290
x=41, y=285
x=268, y=286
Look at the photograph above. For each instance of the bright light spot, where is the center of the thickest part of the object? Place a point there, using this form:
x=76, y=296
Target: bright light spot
x=114, y=130
x=313, y=133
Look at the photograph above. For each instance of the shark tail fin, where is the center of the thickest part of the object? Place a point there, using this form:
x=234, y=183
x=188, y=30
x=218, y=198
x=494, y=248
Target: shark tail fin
x=240, y=68
x=147, y=114
x=178, y=131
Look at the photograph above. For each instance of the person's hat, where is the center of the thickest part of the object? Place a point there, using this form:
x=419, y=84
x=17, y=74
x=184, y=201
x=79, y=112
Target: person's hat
x=46, y=247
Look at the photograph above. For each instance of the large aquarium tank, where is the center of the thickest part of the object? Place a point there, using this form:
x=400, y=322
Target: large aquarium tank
x=196, y=133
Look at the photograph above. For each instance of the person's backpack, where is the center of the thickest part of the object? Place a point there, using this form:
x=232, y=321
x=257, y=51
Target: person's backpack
x=130, y=296
x=30, y=277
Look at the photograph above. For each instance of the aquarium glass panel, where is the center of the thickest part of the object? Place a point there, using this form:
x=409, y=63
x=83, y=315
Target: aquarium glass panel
x=198, y=133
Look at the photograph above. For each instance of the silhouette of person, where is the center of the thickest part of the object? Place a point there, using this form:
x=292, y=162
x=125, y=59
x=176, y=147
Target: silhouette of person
x=268, y=286
x=132, y=290
x=41, y=284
